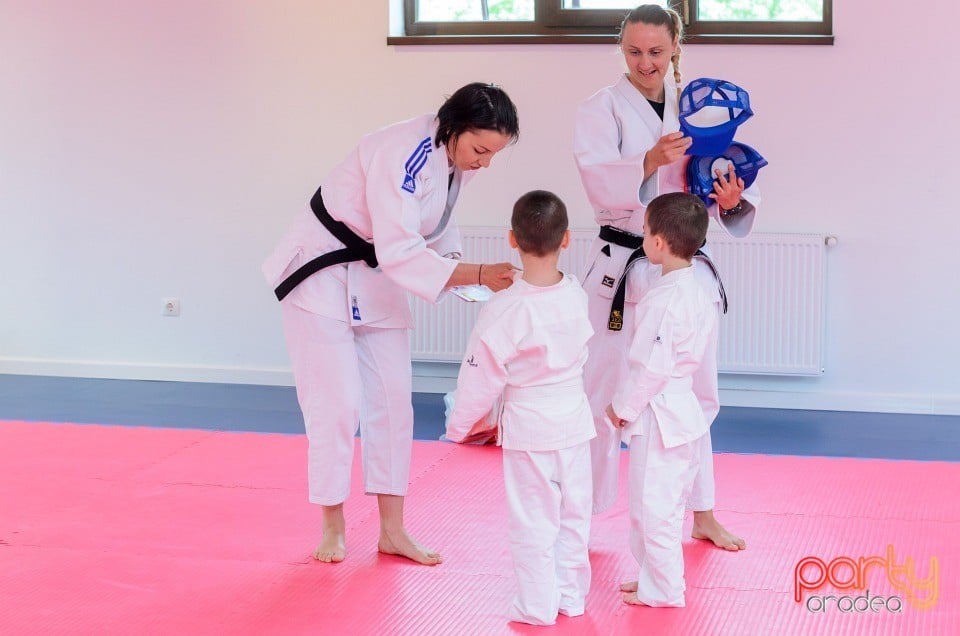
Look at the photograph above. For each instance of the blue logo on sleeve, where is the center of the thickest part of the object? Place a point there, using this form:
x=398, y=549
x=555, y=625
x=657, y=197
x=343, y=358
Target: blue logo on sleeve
x=414, y=164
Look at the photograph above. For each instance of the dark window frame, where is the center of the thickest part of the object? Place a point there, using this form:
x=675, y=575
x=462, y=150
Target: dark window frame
x=556, y=25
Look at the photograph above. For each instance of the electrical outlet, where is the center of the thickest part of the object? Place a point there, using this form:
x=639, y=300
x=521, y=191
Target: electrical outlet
x=170, y=306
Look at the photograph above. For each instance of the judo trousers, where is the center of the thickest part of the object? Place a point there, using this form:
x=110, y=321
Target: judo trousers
x=349, y=377
x=606, y=368
x=660, y=482
x=548, y=496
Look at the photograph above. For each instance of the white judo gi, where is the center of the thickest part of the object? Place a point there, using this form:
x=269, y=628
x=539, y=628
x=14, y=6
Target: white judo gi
x=670, y=338
x=530, y=345
x=615, y=128
x=347, y=325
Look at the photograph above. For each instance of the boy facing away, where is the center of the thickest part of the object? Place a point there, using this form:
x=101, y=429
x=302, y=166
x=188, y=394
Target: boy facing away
x=530, y=345
x=656, y=406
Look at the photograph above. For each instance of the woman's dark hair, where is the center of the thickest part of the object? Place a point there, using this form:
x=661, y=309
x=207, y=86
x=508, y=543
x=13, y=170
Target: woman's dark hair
x=477, y=106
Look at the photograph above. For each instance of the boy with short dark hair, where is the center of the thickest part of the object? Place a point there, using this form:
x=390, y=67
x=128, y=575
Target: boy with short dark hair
x=656, y=406
x=529, y=345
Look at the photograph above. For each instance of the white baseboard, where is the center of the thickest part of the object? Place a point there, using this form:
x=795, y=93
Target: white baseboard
x=860, y=402
x=130, y=371
x=441, y=377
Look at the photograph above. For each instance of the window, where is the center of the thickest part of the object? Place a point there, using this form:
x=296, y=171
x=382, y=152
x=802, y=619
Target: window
x=552, y=21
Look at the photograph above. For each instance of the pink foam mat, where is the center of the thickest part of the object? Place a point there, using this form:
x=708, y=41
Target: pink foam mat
x=119, y=530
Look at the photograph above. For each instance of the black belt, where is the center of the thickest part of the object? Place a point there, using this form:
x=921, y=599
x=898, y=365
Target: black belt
x=356, y=250
x=634, y=242
x=620, y=237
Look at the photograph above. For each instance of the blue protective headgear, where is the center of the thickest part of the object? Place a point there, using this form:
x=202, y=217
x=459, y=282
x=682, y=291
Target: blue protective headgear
x=701, y=171
x=710, y=112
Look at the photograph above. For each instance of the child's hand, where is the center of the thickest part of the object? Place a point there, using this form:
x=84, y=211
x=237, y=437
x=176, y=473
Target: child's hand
x=614, y=418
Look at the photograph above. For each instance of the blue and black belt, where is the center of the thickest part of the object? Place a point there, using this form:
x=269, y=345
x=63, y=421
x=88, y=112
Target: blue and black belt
x=356, y=249
x=634, y=242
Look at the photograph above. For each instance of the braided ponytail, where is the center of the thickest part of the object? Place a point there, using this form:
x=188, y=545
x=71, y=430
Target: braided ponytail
x=675, y=59
x=677, y=32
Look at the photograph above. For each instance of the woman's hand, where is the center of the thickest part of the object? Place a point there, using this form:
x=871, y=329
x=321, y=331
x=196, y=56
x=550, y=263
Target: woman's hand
x=497, y=276
x=668, y=149
x=727, y=189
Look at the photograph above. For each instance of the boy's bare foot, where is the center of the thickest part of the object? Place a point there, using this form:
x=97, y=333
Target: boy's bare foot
x=706, y=526
x=630, y=586
x=332, y=549
x=630, y=598
x=401, y=544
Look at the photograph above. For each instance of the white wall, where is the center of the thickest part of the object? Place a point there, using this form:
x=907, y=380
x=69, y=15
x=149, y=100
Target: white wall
x=155, y=149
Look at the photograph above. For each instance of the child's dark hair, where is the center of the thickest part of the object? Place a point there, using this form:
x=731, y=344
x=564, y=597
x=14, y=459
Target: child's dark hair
x=477, y=106
x=539, y=222
x=680, y=218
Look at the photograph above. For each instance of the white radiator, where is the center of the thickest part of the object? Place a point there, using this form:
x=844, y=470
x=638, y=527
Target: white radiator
x=774, y=284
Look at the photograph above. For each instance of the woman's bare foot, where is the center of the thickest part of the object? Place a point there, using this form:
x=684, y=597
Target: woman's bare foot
x=393, y=536
x=400, y=543
x=332, y=549
x=706, y=526
x=630, y=587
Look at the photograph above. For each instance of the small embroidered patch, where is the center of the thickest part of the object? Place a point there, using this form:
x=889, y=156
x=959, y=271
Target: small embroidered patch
x=616, y=321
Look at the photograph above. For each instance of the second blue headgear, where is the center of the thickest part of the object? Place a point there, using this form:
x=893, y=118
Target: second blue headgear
x=701, y=171
x=710, y=112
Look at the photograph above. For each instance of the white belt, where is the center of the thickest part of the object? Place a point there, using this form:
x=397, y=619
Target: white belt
x=678, y=385
x=539, y=392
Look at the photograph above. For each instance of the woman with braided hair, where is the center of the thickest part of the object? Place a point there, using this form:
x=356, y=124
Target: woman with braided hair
x=629, y=150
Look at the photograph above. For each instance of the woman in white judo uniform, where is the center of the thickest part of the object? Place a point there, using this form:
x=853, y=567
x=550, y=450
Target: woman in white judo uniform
x=655, y=405
x=529, y=345
x=628, y=149
x=379, y=226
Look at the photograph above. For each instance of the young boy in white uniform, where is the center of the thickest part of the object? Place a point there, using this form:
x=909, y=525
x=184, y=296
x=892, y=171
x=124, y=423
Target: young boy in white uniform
x=656, y=406
x=530, y=345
